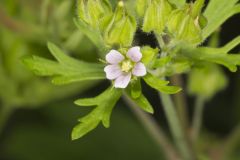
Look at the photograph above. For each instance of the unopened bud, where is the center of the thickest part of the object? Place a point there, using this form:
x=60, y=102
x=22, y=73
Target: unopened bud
x=156, y=16
x=120, y=28
x=92, y=11
x=185, y=26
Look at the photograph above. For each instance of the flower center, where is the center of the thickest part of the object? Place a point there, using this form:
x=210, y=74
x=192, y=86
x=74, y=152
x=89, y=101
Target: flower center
x=126, y=66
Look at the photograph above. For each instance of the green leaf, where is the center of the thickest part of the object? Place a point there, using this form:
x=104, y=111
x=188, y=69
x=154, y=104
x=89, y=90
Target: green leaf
x=136, y=89
x=161, y=62
x=214, y=55
x=178, y=66
x=143, y=103
x=105, y=103
x=160, y=85
x=83, y=128
x=230, y=45
x=217, y=12
x=66, y=70
x=148, y=54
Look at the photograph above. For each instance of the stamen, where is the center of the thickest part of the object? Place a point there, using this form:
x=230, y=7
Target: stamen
x=126, y=66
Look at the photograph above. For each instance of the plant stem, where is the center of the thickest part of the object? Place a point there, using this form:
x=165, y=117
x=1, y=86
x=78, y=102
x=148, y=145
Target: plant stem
x=197, y=118
x=176, y=128
x=180, y=102
x=154, y=130
x=5, y=113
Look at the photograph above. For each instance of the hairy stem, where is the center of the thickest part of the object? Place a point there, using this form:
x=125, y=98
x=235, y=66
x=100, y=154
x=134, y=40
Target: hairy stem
x=154, y=130
x=197, y=118
x=176, y=128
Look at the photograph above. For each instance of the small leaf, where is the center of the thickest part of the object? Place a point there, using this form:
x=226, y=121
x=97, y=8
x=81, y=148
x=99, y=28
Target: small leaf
x=105, y=103
x=161, y=62
x=148, y=54
x=142, y=102
x=136, y=89
x=151, y=79
x=161, y=85
x=178, y=66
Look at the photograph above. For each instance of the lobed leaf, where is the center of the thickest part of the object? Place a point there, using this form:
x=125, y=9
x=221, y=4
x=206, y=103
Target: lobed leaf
x=105, y=103
x=214, y=55
x=66, y=69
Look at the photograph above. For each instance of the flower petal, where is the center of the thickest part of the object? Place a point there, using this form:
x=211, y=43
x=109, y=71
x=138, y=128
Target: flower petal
x=114, y=57
x=122, y=81
x=112, y=71
x=139, y=69
x=134, y=54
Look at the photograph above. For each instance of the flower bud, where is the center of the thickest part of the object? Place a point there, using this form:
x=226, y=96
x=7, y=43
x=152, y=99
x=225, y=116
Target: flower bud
x=156, y=16
x=141, y=6
x=184, y=25
x=119, y=28
x=92, y=11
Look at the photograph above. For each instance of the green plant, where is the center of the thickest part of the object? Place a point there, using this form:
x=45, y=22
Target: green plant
x=180, y=29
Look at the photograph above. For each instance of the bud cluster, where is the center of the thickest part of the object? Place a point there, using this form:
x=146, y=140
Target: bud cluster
x=117, y=26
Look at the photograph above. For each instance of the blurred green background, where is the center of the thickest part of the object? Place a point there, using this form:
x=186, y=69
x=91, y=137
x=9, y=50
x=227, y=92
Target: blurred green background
x=36, y=117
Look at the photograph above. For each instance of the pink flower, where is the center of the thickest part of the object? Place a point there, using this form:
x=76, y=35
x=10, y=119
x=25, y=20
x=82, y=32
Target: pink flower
x=121, y=68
